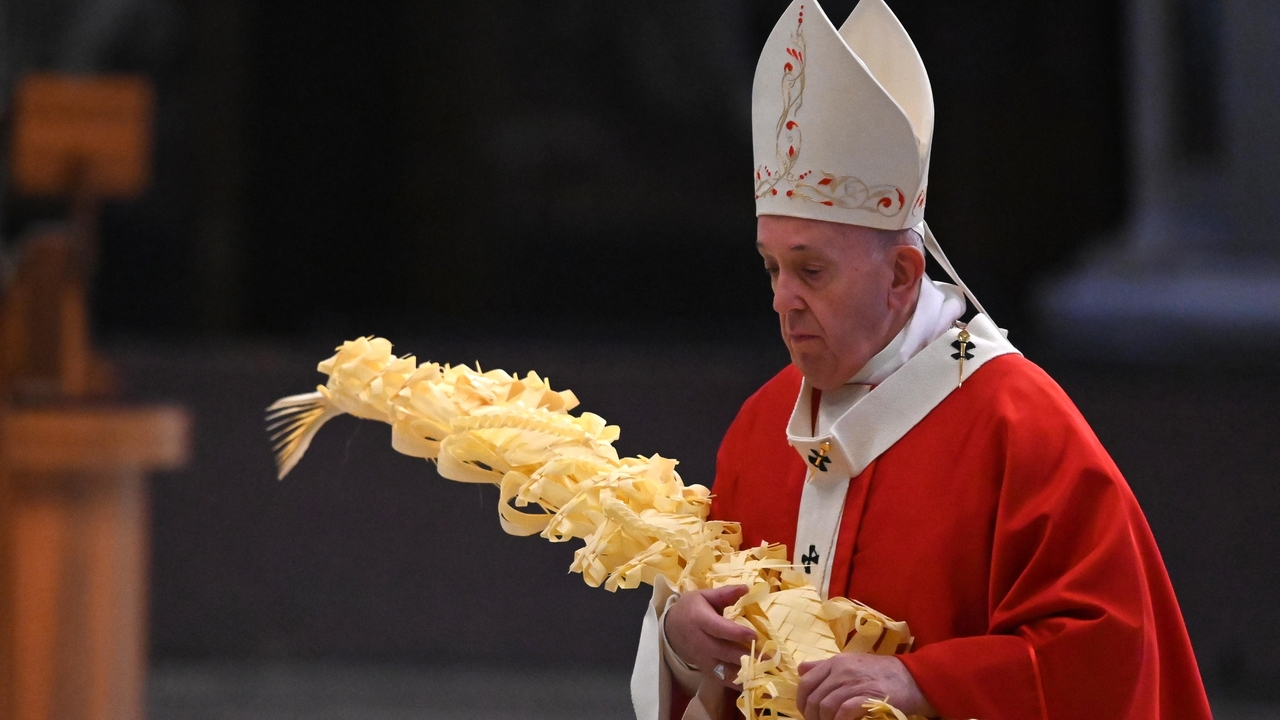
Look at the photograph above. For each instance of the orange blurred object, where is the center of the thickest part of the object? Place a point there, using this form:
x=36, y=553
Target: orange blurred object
x=87, y=134
x=73, y=466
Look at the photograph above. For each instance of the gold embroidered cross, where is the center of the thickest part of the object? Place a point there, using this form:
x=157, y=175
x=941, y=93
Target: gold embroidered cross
x=964, y=344
x=818, y=458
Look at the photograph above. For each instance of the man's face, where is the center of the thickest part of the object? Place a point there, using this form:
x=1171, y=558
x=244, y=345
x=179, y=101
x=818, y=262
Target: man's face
x=833, y=292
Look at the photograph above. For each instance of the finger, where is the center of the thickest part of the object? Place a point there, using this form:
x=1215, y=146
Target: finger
x=839, y=701
x=811, y=680
x=852, y=709
x=689, y=636
x=718, y=627
x=834, y=697
x=814, y=699
x=722, y=597
x=709, y=651
x=734, y=651
x=731, y=677
x=807, y=666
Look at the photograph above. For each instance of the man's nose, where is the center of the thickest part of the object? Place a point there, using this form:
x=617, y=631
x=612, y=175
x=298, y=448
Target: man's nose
x=786, y=295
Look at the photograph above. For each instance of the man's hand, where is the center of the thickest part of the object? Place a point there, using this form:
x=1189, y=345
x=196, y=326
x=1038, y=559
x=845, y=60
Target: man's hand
x=836, y=688
x=699, y=634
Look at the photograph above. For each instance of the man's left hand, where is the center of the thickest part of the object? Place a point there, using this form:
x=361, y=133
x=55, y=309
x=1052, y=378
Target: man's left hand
x=836, y=688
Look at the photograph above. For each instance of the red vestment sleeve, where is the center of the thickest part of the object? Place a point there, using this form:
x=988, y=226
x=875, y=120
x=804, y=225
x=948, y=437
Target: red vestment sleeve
x=1082, y=621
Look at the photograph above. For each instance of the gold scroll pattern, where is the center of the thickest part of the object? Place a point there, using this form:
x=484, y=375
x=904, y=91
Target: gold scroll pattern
x=560, y=477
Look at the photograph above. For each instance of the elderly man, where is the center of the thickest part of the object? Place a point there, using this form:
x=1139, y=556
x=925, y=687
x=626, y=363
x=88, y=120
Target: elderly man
x=911, y=461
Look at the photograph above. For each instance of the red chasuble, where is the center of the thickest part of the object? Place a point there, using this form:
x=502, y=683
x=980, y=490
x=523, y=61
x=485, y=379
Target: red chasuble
x=1001, y=531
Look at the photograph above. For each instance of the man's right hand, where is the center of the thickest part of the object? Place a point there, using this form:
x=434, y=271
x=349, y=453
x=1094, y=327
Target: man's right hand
x=698, y=632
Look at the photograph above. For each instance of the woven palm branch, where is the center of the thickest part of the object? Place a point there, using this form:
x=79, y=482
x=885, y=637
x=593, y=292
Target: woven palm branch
x=559, y=477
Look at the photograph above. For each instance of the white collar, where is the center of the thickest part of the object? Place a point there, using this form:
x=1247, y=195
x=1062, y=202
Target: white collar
x=889, y=411
x=938, y=307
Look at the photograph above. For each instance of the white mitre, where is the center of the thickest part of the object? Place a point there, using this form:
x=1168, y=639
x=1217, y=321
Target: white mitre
x=842, y=121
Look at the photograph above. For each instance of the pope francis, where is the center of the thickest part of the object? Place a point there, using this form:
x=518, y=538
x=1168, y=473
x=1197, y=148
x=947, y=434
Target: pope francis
x=911, y=461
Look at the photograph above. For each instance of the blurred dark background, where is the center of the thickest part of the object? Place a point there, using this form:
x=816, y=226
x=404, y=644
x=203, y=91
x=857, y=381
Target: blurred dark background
x=564, y=187
x=426, y=164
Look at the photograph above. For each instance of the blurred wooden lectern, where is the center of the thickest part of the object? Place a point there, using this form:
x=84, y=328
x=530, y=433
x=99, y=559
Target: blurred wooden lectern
x=73, y=465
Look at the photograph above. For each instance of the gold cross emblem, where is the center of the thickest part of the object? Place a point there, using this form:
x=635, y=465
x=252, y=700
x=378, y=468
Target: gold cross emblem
x=964, y=345
x=818, y=458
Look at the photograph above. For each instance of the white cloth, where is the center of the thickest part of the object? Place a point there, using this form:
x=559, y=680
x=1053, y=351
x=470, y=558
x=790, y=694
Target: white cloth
x=822, y=501
x=938, y=307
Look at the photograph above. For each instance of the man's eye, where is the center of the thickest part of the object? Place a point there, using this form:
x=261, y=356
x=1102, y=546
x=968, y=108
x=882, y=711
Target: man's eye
x=811, y=272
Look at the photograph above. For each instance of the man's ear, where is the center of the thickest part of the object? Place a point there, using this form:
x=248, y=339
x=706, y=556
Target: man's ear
x=908, y=269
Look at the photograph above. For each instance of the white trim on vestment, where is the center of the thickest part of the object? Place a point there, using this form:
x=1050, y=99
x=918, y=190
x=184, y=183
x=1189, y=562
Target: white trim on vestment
x=870, y=427
x=822, y=501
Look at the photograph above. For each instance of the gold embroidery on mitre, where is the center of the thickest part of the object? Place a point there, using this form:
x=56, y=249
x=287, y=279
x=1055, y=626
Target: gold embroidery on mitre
x=843, y=191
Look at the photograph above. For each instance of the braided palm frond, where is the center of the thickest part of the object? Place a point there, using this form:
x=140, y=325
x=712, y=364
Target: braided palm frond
x=560, y=477
x=292, y=422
